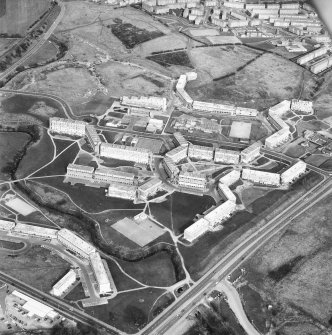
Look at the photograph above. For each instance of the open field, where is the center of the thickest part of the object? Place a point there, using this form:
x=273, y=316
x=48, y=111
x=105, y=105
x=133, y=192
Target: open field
x=172, y=58
x=263, y=82
x=10, y=245
x=314, y=125
x=156, y=270
x=323, y=99
x=47, y=52
x=290, y=271
x=129, y=311
x=179, y=210
x=11, y=145
x=37, y=267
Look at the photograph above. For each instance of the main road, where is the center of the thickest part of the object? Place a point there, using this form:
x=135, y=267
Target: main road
x=233, y=259
x=37, y=46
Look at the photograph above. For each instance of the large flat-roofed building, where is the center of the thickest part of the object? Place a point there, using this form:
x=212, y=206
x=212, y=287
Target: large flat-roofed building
x=177, y=154
x=293, y=172
x=251, y=153
x=107, y=175
x=226, y=156
x=75, y=243
x=280, y=108
x=192, y=180
x=123, y=191
x=214, y=108
x=244, y=111
x=6, y=225
x=180, y=89
x=220, y=213
x=126, y=153
x=156, y=103
x=93, y=137
x=67, y=127
x=226, y=192
x=200, y=152
x=80, y=171
x=261, y=177
x=280, y=137
x=149, y=188
x=196, y=230
x=170, y=167
x=230, y=178
x=64, y=284
x=34, y=231
x=302, y=106
x=101, y=274
x=180, y=140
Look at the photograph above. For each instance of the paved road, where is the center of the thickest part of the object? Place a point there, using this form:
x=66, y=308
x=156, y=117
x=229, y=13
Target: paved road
x=190, y=298
x=37, y=46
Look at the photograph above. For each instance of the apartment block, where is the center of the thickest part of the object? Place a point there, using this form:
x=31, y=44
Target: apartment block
x=67, y=127
x=226, y=156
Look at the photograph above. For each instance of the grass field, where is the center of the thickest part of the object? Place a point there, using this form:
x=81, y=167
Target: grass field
x=44, y=54
x=172, y=58
x=11, y=145
x=37, y=267
x=292, y=268
x=156, y=270
x=179, y=210
x=10, y=245
x=129, y=311
x=33, y=160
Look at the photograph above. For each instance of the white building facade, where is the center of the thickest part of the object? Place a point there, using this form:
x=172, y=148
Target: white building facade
x=67, y=127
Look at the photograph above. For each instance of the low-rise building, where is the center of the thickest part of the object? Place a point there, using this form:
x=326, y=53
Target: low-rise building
x=170, y=167
x=34, y=231
x=200, y=152
x=193, y=180
x=80, y=171
x=101, y=274
x=127, y=153
x=226, y=192
x=196, y=230
x=261, y=177
x=180, y=140
x=302, y=106
x=123, y=191
x=64, y=284
x=230, y=178
x=293, y=172
x=107, y=175
x=156, y=103
x=93, y=137
x=177, y=154
x=220, y=213
x=226, y=156
x=280, y=137
x=67, y=127
x=251, y=153
x=75, y=243
x=149, y=188
x=6, y=225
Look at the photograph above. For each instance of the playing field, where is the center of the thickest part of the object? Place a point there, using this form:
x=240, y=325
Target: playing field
x=240, y=130
x=19, y=205
x=141, y=233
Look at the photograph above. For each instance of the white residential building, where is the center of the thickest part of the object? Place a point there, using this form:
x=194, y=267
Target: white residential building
x=67, y=127
x=280, y=108
x=156, y=103
x=192, y=180
x=149, y=188
x=64, y=284
x=126, y=153
x=226, y=156
x=177, y=154
x=34, y=231
x=261, y=177
x=280, y=137
x=75, y=243
x=220, y=213
x=6, y=225
x=93, y=137
x=107, y=175
x=230, y=178
x=219, y=109
x=80, y=171
x=314, y=54
x=302, y=106
x=243, y=111
x=101, y=274
x=170, y=167
x=293, y=172
x=251, y=153
x=228, y=194
x=200, y=152
x=123, y=191
x=180, y=140
x=196, y=230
